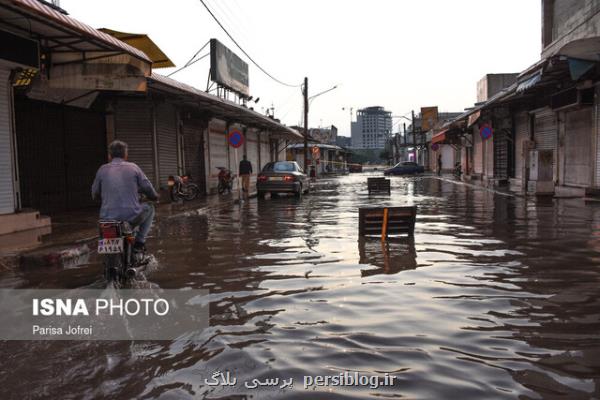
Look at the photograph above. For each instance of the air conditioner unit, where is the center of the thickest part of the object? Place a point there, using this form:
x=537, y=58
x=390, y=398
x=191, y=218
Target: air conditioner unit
x=572, y=97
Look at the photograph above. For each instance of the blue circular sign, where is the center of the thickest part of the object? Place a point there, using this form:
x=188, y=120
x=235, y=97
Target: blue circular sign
x=235, y=139
x=486, y=131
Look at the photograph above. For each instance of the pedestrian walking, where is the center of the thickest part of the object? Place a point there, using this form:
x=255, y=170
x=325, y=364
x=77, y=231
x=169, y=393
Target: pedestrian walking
x=439, y=164
x=245, y=171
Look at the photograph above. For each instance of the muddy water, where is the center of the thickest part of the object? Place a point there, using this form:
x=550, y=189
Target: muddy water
x=496, y=297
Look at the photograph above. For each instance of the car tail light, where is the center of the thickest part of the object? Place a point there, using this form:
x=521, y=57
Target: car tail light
x=262, y=178
x=109, y=231
x=288, y=178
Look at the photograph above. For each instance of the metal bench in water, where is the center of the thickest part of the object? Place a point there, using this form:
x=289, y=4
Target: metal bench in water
x=378, y=184
x=386, y=221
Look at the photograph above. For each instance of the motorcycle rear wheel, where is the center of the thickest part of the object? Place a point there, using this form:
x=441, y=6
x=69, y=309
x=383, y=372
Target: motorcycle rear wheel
x=192, y=191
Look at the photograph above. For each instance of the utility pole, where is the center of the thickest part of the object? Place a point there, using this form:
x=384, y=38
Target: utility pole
x=414, y=135
x=306, y=126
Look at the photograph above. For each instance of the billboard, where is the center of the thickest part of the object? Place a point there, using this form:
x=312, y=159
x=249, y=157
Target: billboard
x=429, y=117
x=227, y=69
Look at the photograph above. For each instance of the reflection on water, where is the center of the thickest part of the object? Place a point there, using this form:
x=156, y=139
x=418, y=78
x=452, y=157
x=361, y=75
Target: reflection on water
x=496, y=297
x=390, y=256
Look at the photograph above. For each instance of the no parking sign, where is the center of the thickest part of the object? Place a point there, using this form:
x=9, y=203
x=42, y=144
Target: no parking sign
x=486, y=131
x=235, y=138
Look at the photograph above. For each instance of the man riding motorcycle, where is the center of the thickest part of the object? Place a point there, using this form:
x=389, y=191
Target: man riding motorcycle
x=118, y=183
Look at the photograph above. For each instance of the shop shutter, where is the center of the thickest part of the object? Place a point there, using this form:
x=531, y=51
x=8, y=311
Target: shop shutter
x=42, y=157
x=85, y=152
x=477, y=152
x=7, y=203
x=217, y=151
x=166, y=133
x=133, y=125
x=500, y=140
x=193, y=132
x=597, y=153
x=578, y=142
x=521, y=136
x=265, y=150
x=545, y=130
x=251, y=147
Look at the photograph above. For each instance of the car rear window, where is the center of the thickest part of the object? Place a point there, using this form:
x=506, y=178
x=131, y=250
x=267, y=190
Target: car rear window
x=284, y=167
x=268, y=167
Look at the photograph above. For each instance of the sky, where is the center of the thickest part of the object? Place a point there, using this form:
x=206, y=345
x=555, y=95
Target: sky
x=399, y=54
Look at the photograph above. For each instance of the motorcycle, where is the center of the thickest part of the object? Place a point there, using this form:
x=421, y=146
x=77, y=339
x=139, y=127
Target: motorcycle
x=225, y=180
x=115, y=244
x=181, y=187
x=457, y=170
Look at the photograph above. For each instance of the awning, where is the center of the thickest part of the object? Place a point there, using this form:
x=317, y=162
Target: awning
x=529, y=82
x=578, y=68
x=473, y=118
x=221, y=108
x=142, y=42
x=439, y=137
x=80, y=57
x=60, y=30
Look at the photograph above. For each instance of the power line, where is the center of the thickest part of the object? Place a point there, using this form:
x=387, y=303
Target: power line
x=242, y=50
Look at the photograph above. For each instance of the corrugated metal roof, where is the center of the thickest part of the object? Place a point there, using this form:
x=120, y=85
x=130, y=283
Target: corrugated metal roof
x=56, y=19
x=222, y=108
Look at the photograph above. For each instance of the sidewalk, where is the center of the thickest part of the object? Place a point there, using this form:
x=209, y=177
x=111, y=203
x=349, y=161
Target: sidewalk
x=74, y=234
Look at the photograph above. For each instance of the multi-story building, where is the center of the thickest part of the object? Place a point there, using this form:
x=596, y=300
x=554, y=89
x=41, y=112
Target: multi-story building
x=372, y=128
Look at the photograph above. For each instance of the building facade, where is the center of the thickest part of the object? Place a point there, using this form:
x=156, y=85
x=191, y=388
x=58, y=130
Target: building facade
x=372, y=128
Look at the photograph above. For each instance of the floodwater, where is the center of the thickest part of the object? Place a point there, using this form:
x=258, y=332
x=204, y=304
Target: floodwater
x=497, y=297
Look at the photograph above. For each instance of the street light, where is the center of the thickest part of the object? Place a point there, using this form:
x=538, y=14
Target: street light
x=306, y=104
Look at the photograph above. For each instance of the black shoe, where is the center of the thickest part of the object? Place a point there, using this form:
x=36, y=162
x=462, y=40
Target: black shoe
x=139, y=247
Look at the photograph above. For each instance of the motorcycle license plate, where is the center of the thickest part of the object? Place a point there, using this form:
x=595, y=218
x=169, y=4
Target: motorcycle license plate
x=110, y=246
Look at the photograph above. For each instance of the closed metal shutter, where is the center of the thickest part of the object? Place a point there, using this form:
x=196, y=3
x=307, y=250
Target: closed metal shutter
x=193, y=132
x=545, y=130
x=217, y=151
x=477, y=153
x=166, y=133
x=252, y=144
x=265, y=150
x=133, y=125
x=578, y=142
x=85, y=150
x=252, y=148
x=7, y=199
x=40, y=144
x=500, y=140
x=60, y=149
x=521, y=136
x=597, y=122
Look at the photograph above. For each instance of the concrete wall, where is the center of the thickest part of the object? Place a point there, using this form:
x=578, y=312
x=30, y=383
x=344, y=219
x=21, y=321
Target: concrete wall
x=491, y=84
x=564, y=21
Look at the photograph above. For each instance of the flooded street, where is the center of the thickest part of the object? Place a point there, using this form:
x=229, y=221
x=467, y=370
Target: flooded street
x=496, y=297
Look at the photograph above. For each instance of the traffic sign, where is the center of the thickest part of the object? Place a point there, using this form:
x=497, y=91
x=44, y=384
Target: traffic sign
x=315, y=150
x=235, y=138
x=486, y=131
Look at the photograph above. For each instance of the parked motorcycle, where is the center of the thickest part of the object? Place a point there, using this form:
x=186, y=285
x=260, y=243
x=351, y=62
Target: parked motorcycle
x=457, y=170
x=225, y=180
x=115, y=245
x=181, y=187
